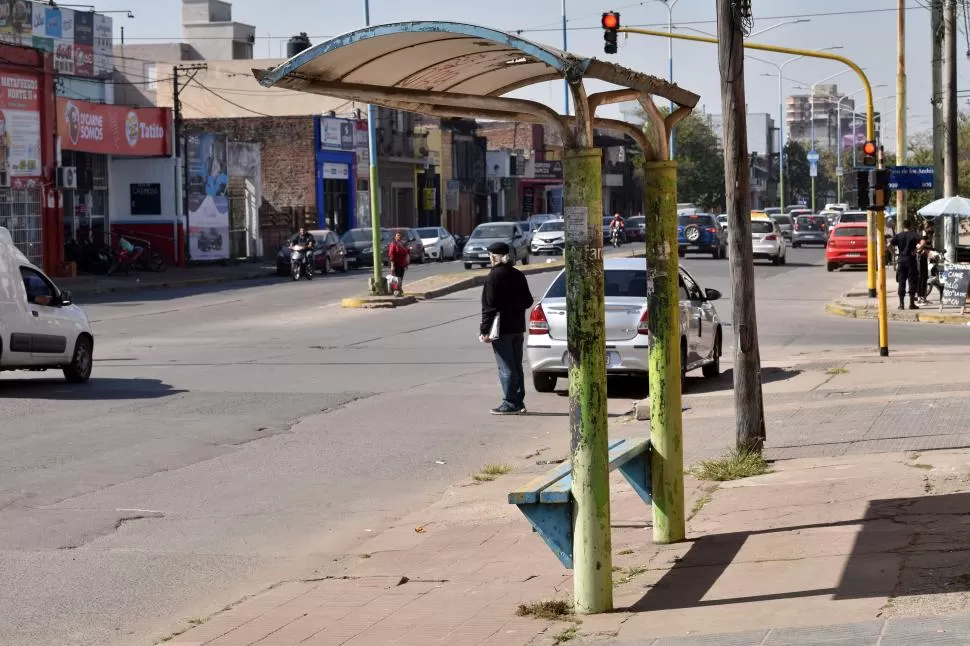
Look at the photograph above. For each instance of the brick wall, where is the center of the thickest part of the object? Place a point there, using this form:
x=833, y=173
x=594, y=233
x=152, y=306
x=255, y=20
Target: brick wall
x=288, y=173
x=512, y=136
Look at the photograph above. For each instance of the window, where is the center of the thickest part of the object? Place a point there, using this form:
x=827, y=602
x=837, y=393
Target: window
x=619, y=283
x=693, y=291
x=699, y=220
x=850, y=232
x=39, y=289
x=151, y=77
x=762, y=227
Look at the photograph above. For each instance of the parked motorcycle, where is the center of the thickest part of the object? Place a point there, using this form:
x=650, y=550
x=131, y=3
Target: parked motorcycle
x=301, y=262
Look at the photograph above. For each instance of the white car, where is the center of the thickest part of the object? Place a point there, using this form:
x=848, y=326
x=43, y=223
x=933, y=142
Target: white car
x=767, y=241
x=549, y=238
x=627, y=331
x=40, y=327
x=438, y=243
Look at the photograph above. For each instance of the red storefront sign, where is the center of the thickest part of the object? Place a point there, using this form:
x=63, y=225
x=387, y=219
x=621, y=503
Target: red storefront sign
x=113, y=129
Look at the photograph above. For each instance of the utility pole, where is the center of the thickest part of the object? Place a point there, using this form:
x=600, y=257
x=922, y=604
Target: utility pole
x=378, y=286
x=950, y=225
x=936, y=39
x=900, y=104
x=748, y=404
x=182, y=178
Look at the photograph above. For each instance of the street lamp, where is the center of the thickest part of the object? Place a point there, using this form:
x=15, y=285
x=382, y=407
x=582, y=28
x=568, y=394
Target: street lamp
x=781, y=117
x=669, y=6
x=755, y=33
x=838, y=163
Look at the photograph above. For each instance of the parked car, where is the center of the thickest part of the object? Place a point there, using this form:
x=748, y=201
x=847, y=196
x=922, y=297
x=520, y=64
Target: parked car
x=40, y=326
x=772, y=211
x=360, y=247
x=438, y=243
x=809, y=229
x=627, y=331
x=549, y=238
x=636, y=229
x=700, y=233
x=329, y=253
x=484, y=235
x=411, y=240
x=722, y=221
x=767, y=242
x=784, y=223
x=536, y=220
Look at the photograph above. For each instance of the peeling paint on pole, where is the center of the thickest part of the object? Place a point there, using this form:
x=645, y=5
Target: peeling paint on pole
x=666, y=425
x=586, y=340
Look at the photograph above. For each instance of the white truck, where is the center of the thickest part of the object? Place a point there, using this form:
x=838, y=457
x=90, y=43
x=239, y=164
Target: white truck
x=40, y=326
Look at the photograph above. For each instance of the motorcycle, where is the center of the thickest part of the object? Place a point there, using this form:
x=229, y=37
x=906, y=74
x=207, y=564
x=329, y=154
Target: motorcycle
x=301, y=262
x=615, y=237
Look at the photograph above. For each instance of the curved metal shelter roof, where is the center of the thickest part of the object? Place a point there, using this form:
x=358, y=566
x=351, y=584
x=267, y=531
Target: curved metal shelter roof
x=447, y=59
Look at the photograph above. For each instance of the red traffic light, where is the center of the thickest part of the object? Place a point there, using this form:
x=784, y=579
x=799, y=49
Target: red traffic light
x=869, y=148
x=611, y=20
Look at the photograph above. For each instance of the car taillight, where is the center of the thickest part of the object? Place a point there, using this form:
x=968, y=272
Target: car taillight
x=771, y=236
x=537, y=321
x=643, y=327
x=831, y=242
x=711, y=230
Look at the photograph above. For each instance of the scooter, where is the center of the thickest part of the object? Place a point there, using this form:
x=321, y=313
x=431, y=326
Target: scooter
x=301, y=263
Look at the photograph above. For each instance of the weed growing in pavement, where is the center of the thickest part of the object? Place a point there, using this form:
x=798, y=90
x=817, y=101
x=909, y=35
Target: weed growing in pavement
x=738, y=464
x=555, y=609
x=628, y=575
x=920, y=465
x=837, y=371
x=706, y=496
x=491, y=471
x=624, y=552
x=567, y=635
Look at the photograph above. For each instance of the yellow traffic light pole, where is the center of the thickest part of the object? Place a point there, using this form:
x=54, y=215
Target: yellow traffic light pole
x=875, y=221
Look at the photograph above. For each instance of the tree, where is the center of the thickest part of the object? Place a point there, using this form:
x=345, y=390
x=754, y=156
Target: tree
x=700, y=164
x=798, y=182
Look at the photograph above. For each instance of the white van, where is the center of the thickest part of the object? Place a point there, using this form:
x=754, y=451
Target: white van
x=40, y=327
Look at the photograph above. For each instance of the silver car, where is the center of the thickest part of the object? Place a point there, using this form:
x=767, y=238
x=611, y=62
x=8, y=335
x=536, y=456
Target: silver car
x=627, y=331
x=484, y=235
x=549, y=238
x=767, y=242
x=785, y=224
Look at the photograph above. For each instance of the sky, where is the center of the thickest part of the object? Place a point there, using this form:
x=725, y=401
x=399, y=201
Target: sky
x=865, y=30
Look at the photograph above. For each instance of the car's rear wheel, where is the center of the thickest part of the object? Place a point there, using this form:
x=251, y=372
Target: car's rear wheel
x=544, y=383
x=831, y=266
x=713, y=369
x=775, y=260
x=343, y=267
x=79, y=370
x=468, y=265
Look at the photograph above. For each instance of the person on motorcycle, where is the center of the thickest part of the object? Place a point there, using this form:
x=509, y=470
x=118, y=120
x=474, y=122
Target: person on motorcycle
x=617, y=227
x=304, y=239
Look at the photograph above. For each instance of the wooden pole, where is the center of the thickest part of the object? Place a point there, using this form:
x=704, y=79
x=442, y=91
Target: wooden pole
x=749, y=408
x=900, y=104
x=950, y=179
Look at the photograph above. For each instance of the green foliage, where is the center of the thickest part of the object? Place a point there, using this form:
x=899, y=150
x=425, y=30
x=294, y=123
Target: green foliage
x=700, y=164
x=798, y=182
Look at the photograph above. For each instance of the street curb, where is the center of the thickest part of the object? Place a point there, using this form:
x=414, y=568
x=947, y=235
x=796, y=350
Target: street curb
x=839, y=308
x=475, y=278
x=147, y=287
x=378, y=302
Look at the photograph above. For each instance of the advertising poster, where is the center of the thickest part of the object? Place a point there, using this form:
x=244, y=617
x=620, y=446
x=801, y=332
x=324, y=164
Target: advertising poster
x=60, y=27
x=336, y=134
x=39, y=38
x=103, y=59
x=84, y=43
x=361, y=149
x=113, y=129
x=20, y=125
x=208, y=186
x=16, y=22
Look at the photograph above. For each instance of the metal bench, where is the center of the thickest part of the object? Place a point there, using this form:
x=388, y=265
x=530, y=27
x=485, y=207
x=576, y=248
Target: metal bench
x=547, y=500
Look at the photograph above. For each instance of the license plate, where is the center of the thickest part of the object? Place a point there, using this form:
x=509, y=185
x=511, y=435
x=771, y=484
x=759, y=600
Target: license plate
x=483, y=255
x=612, y=359
x=854, y=255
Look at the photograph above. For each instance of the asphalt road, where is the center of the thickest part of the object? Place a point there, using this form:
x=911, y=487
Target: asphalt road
x=234, y=436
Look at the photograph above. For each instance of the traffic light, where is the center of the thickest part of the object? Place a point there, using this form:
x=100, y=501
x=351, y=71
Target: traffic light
x=861, y=190
x=611, y=22
x=878, y=182
x=869, y=150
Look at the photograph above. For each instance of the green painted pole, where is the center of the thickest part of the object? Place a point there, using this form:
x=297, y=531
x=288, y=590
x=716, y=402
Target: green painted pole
x=378, y=286
x=586, y=341
x=666, y=424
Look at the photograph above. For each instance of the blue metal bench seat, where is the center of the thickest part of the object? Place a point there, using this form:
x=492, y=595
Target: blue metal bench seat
x=547, y=499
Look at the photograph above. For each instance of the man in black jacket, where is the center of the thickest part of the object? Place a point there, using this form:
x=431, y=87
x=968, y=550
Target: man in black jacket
x=506, y=295
x=907, y=270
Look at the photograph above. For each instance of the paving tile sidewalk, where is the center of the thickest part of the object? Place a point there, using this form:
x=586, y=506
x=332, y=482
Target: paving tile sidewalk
x=172, y=277
x=856, y=303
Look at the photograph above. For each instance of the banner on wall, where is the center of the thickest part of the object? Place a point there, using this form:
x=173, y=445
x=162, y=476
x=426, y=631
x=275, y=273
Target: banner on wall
x=208, y=186
x=336, y=134
x=20, y=126
x=81, y=41
x=113, y=129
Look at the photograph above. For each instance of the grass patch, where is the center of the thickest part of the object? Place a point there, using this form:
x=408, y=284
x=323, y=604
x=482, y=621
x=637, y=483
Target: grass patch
x=921, y=465
x=628, y=575
x=491, y=471
x=738, y=464
x=552, y=610
x=568, y=634
x=837, y=371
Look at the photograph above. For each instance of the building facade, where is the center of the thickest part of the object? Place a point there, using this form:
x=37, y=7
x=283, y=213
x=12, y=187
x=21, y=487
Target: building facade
x=763, y=139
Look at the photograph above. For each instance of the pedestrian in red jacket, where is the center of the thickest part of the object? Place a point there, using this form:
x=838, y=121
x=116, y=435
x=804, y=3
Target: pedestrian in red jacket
x=400, y=257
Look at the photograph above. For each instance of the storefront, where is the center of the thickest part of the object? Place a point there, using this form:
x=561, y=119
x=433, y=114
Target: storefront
x=336, y=173
x=27, y=201
x=118, y=176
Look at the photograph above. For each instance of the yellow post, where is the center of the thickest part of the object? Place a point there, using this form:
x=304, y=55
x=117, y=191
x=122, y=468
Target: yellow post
x=666, y=424
x=871, y=243
x=881, y=259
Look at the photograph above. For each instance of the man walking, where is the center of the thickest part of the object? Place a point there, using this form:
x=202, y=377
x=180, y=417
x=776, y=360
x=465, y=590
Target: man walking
x=506, y=295
x=907, y=269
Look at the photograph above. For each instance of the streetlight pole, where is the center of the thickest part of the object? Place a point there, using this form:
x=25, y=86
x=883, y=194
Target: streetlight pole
x=811, y=100
x=669, y=5
x=565, y=47
x=377, y=284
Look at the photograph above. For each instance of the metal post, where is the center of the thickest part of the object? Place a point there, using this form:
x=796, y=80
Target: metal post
x=936, y=36
x=669, y=4
x=880, y=218
x=781, y=142
x=950, y=160
x=855, y=139
x=811, y=145
x=565, y=48
x=901, y=103
x=838, y=151
x=586, y=345
x=666, y=424
x=378, y=286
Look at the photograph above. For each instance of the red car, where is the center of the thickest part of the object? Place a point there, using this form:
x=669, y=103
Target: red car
x=846, y=246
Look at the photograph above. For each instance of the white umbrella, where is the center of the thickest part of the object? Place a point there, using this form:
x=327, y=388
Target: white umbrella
x=956, y=205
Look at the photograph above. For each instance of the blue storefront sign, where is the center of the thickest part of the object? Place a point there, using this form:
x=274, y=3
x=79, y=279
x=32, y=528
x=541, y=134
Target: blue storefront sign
x=336, y=173
x=910, y=178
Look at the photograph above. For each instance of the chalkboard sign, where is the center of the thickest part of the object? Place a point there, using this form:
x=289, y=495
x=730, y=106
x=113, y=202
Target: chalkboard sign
x=146, y=199
x=956, y=285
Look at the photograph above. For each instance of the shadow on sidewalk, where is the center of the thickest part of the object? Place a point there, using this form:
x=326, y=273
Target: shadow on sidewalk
x=725, y=381
x=904, y=547
x=97, y=389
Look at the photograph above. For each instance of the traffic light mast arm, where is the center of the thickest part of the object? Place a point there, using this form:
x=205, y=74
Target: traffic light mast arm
x=870, y=109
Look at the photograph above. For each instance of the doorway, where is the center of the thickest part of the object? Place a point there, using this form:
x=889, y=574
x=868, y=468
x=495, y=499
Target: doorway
x=336, y=201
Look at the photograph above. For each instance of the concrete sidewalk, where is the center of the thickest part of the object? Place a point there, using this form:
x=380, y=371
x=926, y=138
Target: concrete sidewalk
x=857, y=304
x=171, y=278
x=868, y=532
